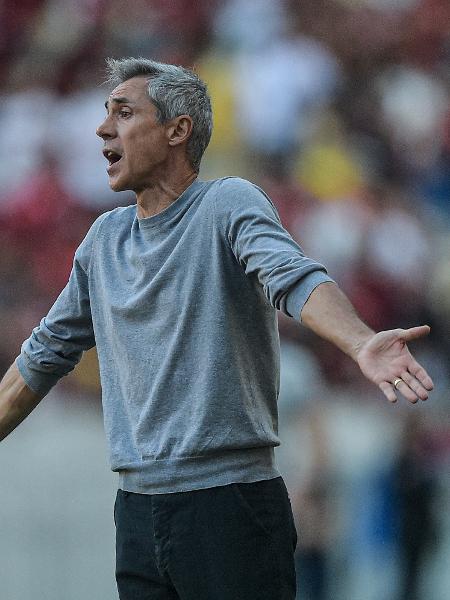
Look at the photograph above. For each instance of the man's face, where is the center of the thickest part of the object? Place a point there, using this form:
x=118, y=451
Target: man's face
x=136, y=144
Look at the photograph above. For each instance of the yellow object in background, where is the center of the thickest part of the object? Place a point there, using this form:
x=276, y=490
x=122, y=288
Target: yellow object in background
x=86, y=373
x=216, y=71
x=328, y=171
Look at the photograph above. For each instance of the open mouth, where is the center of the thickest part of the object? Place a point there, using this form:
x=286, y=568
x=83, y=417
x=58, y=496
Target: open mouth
x=112, y=157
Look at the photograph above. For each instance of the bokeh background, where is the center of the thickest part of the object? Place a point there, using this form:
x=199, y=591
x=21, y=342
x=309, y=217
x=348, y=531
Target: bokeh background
x=340, y=110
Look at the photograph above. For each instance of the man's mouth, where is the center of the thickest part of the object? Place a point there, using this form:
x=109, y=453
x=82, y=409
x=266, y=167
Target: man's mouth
x=112, y=157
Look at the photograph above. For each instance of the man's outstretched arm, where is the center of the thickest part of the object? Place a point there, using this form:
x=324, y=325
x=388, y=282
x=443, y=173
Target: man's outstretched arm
x=383, y=357
x=54, y=347
x=17, y=400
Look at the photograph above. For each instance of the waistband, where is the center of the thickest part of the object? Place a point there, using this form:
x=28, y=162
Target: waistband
x=182, y=474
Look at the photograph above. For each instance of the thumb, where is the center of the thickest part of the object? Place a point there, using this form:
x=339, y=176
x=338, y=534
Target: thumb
x=414, y=333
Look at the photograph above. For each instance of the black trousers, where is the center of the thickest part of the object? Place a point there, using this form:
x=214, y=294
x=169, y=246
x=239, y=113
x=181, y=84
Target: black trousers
x=234, y=542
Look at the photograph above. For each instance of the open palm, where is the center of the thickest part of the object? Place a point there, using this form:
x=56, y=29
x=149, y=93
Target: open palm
x=385, y=358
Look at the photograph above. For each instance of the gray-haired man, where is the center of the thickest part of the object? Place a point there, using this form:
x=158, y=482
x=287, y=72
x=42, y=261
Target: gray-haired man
x=179, y=293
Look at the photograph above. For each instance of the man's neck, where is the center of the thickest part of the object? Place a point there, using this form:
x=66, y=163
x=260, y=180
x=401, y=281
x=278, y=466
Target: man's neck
x=154, y=199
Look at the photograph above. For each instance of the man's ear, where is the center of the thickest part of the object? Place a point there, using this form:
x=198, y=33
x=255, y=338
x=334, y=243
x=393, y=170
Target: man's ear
x=179, y=130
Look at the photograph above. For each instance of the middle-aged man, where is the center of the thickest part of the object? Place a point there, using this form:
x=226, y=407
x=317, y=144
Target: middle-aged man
x=179, y=293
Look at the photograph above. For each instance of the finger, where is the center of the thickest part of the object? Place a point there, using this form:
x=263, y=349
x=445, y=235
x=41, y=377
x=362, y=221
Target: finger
x=419, y=373
x=388, y=391
x=415, y=385
x=406, y=392
x=414, y=333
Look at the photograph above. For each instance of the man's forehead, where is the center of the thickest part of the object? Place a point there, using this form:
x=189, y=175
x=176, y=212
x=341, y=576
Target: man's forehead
x=131, y=88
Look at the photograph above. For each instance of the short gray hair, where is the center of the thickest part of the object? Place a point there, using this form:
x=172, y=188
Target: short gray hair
x=174, y=91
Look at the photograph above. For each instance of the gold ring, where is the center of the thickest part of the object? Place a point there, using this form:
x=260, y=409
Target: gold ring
x=396, y=382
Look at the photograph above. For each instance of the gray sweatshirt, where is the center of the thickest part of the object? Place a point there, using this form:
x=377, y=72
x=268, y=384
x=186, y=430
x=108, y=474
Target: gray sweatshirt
x=182, y=309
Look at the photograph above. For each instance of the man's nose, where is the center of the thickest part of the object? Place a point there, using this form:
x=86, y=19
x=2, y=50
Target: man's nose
x=104, y=130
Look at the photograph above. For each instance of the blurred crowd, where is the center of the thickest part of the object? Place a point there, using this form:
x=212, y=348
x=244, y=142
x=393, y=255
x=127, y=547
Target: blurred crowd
x=340, y=111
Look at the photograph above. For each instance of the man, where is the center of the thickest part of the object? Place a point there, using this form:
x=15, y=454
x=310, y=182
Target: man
x=179, y=293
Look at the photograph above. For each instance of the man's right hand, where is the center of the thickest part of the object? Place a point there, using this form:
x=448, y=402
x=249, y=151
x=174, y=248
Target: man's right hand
x=17, y=400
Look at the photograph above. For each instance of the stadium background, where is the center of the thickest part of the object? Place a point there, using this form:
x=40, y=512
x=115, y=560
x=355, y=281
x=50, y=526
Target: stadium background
x=340, y=110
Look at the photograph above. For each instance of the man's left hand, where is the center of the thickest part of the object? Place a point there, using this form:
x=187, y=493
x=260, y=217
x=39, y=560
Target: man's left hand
x=385, y=359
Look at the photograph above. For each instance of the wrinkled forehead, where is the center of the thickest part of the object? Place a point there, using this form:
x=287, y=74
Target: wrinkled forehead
x=134, y=90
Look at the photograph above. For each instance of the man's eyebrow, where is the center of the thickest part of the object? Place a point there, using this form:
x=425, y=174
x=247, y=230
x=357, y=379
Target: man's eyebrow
x=118, y=100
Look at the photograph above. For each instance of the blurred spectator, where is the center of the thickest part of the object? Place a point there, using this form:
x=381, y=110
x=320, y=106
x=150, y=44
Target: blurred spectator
x=413, y=107
x=42, y=209
x=279, y=90
x=313, y=516
x=15, y=22
x=269, y=21
x=174, y=31
x=24, y=123
x=415, y=491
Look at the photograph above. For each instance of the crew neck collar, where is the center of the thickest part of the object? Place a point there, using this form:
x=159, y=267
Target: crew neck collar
x=173, y=208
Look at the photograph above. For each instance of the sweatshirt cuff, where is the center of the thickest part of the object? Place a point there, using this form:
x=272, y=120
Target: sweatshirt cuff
x=40, y=383
x=300, y=292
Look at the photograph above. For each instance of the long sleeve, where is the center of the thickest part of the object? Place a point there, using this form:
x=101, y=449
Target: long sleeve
x=266, y=250
x=57, y=344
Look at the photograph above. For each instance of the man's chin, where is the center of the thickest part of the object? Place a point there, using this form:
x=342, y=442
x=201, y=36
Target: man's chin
x=117, y=185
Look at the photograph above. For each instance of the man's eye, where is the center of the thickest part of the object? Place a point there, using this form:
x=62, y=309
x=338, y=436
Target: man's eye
x=124, y=113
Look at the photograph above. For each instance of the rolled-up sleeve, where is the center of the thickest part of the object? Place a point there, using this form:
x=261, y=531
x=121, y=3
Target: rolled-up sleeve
x=57, y=344
x=267, y=251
